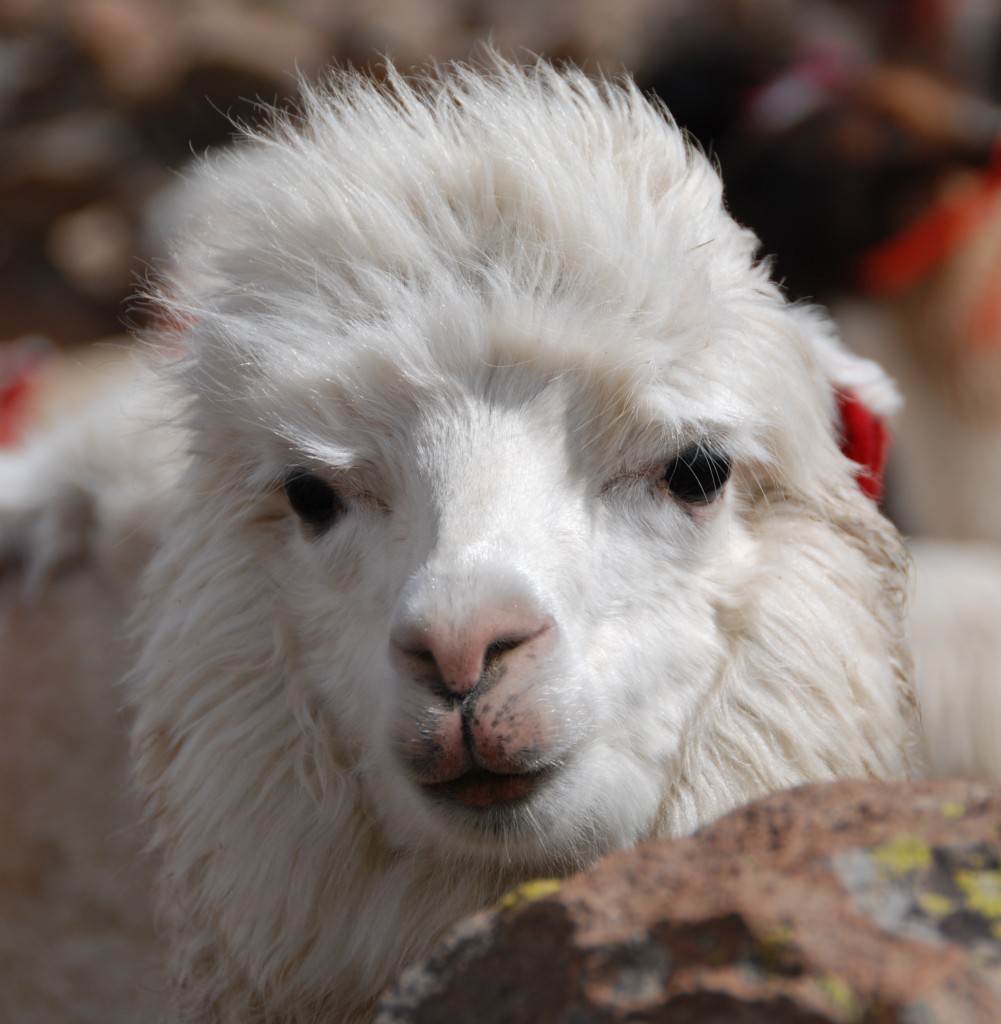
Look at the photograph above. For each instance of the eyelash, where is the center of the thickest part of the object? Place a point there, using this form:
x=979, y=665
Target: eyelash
x=697, y=475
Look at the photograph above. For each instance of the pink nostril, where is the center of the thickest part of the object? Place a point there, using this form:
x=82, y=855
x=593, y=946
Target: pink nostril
x=458, y=659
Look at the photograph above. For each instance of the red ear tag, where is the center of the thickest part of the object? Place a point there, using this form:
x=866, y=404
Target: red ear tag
x=19, y=366
x=865, y=439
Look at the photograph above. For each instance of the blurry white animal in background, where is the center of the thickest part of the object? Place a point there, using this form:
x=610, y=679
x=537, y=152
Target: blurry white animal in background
x=953, y=626
x=512, y=528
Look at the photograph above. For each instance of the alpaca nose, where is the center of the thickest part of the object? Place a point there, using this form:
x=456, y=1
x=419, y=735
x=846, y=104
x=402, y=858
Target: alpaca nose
x=456, y=657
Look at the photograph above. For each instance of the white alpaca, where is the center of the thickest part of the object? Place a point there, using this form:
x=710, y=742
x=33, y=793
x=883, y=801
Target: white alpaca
x=953, y=625
x=514, y=529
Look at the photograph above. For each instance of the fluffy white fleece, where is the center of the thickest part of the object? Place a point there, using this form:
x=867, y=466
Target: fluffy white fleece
x=484, y=314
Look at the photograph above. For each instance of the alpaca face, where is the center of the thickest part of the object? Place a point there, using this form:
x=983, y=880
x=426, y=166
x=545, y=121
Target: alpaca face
x=505, y=427
x=512, y=621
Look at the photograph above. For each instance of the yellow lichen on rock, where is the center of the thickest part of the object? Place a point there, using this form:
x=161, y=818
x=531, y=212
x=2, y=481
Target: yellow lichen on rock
x=537, y=889
x=841, y=996
x=902, y=856
x=934, y=904
x=982, y=890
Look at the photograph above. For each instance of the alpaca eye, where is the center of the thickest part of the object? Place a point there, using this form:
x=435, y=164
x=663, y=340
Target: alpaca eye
x=697, y=475
x=312, y=499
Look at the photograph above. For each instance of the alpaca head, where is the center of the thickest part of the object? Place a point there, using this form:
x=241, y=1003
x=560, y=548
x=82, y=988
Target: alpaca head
x=516, y=526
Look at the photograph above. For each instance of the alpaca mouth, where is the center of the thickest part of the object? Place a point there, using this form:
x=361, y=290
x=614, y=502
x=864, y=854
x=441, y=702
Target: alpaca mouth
x=481, y=788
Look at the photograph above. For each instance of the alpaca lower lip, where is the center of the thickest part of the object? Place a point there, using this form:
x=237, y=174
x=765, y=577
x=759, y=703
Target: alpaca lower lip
x=486, y=789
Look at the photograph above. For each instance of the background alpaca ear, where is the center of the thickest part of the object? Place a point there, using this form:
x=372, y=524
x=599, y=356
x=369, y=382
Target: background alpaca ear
x=865, y=400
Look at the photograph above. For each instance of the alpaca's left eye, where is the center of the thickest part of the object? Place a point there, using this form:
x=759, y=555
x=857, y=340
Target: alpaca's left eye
x=312, y=499
x=697, y=475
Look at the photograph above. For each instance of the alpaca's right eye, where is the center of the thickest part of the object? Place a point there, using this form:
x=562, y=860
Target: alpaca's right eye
x=312, y=499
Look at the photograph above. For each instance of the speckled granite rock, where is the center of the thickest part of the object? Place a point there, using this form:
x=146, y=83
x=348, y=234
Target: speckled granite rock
x=851, y=902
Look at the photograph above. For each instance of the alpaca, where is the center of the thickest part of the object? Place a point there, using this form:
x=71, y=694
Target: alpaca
x=499, y=521
x=952, y=624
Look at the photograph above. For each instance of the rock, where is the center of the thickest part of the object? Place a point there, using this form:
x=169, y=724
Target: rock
x=849, y=902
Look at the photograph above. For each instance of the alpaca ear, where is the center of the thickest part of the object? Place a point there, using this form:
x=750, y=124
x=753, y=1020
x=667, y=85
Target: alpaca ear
x=865, y=400
x=865, y=439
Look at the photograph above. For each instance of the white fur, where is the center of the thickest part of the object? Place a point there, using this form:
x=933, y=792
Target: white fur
x=953, y=626
x=489, y=310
